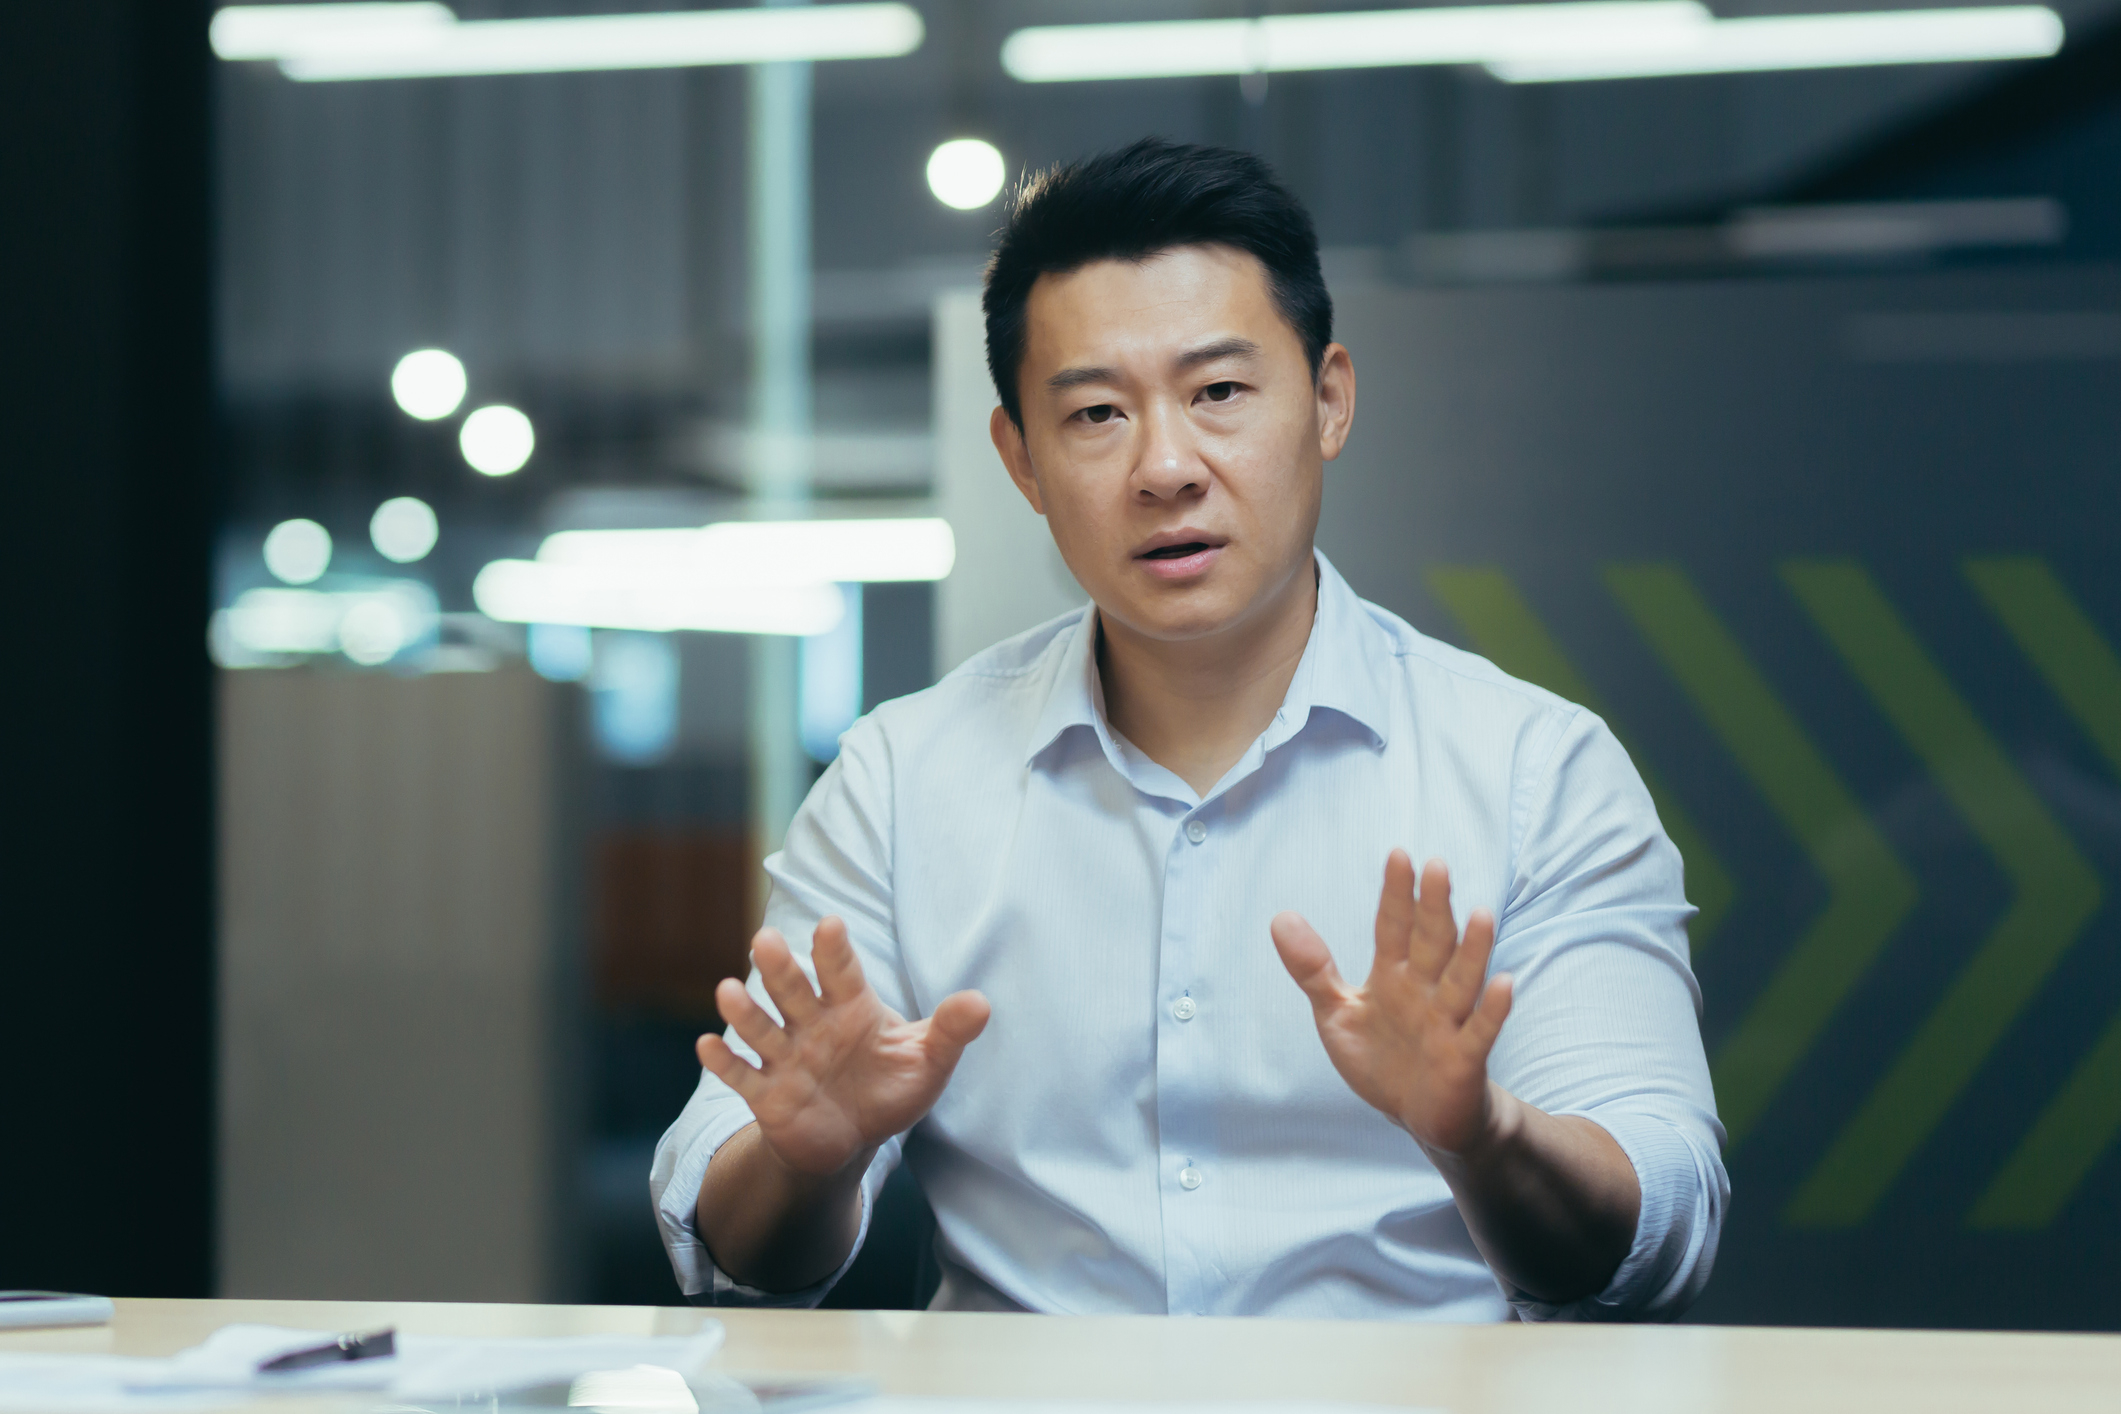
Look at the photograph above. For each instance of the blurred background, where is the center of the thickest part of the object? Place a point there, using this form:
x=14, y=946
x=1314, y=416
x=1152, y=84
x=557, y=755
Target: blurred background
x=394, y=784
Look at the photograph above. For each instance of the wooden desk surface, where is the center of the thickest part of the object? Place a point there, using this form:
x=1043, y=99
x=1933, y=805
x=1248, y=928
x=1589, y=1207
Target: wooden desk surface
x=1467, y=1369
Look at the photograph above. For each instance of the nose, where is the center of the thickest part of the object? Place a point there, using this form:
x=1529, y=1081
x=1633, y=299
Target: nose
x=1167, y=465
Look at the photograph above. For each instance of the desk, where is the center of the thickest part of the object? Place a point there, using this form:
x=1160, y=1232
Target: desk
x=1466, y=1369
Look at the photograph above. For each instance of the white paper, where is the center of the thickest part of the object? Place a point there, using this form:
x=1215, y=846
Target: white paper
x=425, y=1367
x=955, y=1405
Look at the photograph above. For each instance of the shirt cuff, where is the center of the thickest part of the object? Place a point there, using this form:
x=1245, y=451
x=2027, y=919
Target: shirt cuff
x=677, y=1193
x=1675, y=1229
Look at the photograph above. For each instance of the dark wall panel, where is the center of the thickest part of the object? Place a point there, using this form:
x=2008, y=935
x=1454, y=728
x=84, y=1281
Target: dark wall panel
x=106, y=994
x=1836, y=557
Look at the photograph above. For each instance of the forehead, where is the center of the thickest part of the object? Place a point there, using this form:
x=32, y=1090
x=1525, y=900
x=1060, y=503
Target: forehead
x=1112, y=310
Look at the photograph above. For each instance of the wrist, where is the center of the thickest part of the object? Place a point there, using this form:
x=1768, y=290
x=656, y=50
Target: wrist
x=1491, y=1139
x=807, y=1180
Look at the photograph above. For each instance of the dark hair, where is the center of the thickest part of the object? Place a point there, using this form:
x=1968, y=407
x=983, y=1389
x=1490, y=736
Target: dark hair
x=1133, y=202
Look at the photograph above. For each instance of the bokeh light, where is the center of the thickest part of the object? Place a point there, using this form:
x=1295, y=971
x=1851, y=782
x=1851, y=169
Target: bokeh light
x=298, y=551
x=428, y=383
x=497, y=440
x=403, y=529
x=966, y=173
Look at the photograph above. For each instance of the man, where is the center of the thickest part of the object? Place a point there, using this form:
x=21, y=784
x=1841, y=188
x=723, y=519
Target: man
x=1085, y=933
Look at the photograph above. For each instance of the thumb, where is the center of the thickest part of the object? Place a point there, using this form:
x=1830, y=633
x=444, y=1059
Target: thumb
x=956, y=1023
x=1308, y=959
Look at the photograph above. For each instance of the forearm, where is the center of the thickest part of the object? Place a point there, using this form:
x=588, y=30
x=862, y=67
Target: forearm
x=1552, y=1201
x=771, y=1227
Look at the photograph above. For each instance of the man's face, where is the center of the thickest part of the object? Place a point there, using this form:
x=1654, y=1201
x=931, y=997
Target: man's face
x=1174, y=437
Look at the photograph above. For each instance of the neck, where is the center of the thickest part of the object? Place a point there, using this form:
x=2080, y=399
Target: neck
x=1194, y=707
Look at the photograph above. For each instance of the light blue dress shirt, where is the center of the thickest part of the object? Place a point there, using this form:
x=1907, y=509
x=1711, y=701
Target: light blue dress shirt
x=1150, y=1123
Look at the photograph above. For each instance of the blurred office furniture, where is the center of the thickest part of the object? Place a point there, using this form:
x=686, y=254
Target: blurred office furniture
x=1141, y=1362
x=106, y=981
x=398, y=1064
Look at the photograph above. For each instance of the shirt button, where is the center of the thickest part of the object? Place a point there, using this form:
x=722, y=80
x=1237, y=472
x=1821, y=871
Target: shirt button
x=1185, y=1008
x=1189, y=1178
x=1196, y=831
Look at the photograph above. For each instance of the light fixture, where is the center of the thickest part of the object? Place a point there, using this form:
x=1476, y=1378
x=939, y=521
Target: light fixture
x=1467, y=34
x=621, y=597
x=297, y=551
x=428, y=383
x=434, y=43
x=785, y=552
x=779, y=577
x=272, y=31
x=403, y=529
x=496, y=440
x=1531, y=43
x=369, y=625
x=966, y=173
x=1763, y=43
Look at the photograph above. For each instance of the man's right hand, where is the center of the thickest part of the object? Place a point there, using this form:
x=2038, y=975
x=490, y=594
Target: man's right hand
x=842, y=1073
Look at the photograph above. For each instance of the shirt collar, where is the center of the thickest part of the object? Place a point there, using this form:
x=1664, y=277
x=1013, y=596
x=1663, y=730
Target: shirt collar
x=1340, y=667
x=1074, y=698
x=1338, y=672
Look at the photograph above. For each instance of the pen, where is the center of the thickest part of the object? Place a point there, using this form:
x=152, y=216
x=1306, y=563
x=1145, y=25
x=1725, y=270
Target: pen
x=374, y=1345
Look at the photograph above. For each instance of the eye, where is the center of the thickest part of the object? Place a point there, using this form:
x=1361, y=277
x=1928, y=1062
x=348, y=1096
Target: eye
x=1103, y=412
x=1219, y=392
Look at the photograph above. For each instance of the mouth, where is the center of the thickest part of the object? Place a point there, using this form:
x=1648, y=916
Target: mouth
x=1179, y=551
x=1180, y=554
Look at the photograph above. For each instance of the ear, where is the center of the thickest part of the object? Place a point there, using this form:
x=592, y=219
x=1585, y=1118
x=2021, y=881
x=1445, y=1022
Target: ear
x=1336, y=400
x=1009, y=442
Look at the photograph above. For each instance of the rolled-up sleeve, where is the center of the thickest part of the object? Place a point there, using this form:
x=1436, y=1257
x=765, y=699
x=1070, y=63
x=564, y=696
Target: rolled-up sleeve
x=1605, y=1022
x=836, y=861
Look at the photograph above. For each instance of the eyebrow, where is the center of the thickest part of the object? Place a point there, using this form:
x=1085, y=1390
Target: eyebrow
x=1193, y=358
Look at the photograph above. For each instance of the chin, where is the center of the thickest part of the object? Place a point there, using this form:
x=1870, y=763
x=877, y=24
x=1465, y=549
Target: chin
x=1179, y=614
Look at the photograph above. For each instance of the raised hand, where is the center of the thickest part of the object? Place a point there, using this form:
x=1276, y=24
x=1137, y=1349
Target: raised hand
x=842, y=1072
x=1413, y=1040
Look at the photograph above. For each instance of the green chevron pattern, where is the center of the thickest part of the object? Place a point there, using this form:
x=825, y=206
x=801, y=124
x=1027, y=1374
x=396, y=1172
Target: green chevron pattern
x=1869, y=890
x=2057, y=893
x=1504, y=628
x=2080, y=1122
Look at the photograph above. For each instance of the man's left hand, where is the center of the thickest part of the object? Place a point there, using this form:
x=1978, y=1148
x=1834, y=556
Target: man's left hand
x=1414, y=1039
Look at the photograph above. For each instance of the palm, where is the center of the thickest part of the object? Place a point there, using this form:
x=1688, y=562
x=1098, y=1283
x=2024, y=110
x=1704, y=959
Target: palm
x=1413, y=1040
x=842, y=1072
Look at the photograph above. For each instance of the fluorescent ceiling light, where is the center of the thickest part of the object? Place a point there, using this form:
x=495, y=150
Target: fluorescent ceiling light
x=1771, y=42
x=658, y=601
x=787, y=552
x=731, y=577
x=273, y=31
x=379, y=45
x=1472, y=34
x=1533, y=43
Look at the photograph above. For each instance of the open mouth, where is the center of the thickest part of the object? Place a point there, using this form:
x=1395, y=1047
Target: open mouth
x=1176, y=552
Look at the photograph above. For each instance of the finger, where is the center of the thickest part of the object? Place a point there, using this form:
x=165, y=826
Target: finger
x=730, y=1068
x=1309, y=961
x=783, y=975
x=751, y=1021
x=1395, y=909
x=955, y=1024
x=839, y=971
x=1478, y=1035
x=1435, y=934
x=1459, y=987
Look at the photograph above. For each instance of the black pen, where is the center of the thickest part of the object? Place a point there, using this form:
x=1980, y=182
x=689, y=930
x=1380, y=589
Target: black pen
x=374, y=1345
